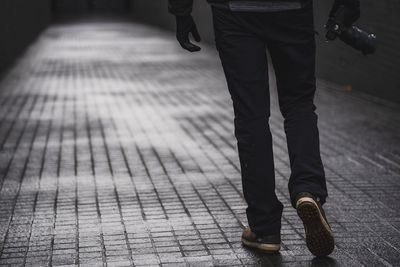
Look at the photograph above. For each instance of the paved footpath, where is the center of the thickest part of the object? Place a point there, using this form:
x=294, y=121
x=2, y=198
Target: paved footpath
x=117, y=149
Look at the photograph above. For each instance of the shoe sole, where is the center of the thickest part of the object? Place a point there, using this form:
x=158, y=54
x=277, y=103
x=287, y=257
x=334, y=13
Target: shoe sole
x=319, y=236
x=271, y=248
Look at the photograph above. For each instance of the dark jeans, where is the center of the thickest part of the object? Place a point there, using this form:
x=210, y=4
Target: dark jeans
x=242, y=39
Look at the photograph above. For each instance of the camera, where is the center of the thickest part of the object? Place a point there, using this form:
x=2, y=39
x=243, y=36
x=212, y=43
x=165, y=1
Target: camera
x=352, y=35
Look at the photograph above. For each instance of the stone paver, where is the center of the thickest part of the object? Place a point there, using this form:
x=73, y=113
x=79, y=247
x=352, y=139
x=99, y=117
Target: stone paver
x=117, y=149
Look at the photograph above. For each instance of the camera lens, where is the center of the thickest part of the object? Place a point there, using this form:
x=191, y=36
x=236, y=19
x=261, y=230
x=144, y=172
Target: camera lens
x=359, y=39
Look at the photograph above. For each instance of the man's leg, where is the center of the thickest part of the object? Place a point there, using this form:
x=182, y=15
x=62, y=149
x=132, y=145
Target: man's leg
x=243, y=56
x=292, y=48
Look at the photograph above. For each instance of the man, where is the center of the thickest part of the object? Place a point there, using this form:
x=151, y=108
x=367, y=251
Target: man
x=244, y=29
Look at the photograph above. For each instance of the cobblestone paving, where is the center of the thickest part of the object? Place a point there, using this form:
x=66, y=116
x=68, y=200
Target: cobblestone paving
x=117, y=149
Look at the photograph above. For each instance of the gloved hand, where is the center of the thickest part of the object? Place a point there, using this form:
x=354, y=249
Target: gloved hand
x=184, y=26
x=351, y=10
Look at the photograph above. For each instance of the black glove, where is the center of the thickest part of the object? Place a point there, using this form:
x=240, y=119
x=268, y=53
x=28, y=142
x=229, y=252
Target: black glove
x=184, y=26
x=351, y=10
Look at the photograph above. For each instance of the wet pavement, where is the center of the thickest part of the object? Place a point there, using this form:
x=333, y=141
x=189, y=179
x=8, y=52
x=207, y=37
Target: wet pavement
x=117, y=149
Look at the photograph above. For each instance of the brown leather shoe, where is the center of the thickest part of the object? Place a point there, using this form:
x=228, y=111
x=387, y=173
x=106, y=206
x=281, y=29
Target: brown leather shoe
x=319, y=236
x=268, y=243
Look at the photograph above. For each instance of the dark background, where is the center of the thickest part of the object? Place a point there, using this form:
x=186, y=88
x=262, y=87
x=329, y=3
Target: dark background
x=20, y=22
x=91, y=5
x=377, y=75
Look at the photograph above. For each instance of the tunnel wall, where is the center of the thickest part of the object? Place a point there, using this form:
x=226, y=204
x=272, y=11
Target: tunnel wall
x=20, y=22
x=377, y=75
